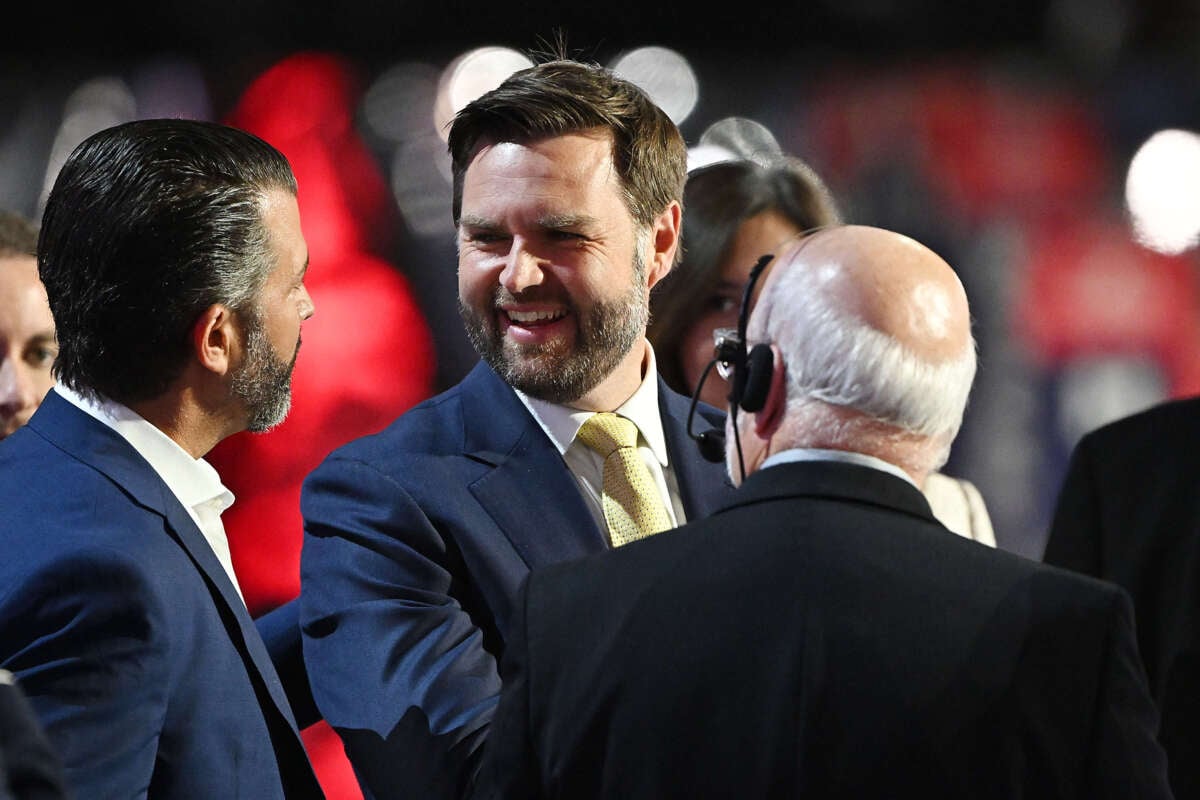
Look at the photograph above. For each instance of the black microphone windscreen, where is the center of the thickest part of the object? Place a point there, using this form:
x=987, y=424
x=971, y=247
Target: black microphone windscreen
x=712, y=446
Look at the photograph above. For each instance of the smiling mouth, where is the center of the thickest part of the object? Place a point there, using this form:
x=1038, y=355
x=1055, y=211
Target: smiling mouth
x=531, y=318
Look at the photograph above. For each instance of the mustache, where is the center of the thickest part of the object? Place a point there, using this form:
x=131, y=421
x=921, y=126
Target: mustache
x=533, y=294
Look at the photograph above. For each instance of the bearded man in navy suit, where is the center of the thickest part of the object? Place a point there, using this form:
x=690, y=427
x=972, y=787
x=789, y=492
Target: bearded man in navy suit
x=567, y=186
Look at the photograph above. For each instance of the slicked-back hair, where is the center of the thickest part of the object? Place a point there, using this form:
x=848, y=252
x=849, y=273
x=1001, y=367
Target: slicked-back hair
x=18, y=235
x=149, y=223
x=717, y=199
x=561, y=97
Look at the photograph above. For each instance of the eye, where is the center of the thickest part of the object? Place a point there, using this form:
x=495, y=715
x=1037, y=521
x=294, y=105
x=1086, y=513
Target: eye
x=721, y=303
x=484, y=238
x=41, y=356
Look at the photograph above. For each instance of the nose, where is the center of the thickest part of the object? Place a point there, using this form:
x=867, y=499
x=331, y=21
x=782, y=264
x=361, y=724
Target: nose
x=18, y=396
x=307, y=309
x=522, y=269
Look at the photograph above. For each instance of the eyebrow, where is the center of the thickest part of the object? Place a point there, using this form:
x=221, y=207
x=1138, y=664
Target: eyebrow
x=546, y=222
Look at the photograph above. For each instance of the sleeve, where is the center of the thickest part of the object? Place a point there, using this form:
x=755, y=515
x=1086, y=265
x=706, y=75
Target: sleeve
x=509, y=770
x=1127, y=759
x=397, y=666
x=87, y=638
x=280, y=632
x=32, y=765
x=1074, y=537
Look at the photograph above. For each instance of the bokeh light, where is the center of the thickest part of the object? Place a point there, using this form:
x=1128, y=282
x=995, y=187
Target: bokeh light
x=1162, y=191
x=396, y=106
x=471, y=74
x=97, y=104
x=665, y=75
x=744, y=138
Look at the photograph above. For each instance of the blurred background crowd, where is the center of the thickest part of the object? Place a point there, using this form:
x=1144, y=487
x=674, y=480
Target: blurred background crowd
x=1048, y=149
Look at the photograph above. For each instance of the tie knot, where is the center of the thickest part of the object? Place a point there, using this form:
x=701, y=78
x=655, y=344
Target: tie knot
x=606, y=432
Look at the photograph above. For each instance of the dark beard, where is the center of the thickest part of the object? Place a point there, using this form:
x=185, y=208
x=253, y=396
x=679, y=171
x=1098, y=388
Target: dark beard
x=551, y=371
x=264, y=382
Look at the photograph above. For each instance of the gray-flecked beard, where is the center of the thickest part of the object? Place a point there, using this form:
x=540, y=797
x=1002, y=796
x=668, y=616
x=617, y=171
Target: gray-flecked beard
x=264, y=382
x=556, y=371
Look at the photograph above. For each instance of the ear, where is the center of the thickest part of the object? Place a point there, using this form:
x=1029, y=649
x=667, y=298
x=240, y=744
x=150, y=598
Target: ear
x=214, y=339
x=768, y=419
x=664, y=236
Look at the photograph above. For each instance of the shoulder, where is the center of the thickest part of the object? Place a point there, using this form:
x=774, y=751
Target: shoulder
x=431, y=427
x=1162, y=422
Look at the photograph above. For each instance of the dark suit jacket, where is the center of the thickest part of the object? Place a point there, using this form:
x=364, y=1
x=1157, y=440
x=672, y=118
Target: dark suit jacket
x=1129, y=512
x=416, y=540
x=125, y=632
x=821, y=636
x=30, y=769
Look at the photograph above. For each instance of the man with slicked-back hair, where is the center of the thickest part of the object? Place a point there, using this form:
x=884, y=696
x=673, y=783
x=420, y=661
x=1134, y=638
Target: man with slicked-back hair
x=173, y=260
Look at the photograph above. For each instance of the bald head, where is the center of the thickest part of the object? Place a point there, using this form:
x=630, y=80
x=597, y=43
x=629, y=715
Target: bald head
x=874, y=333
x=890, y=282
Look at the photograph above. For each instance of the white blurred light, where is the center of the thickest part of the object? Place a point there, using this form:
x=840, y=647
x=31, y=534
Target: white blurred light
x=1162, y=191
x=470, y=75
x=703, y=155
x=398, y=104
x=97, y=104
x=420, y=180
x=745, y=138
x=663, y=74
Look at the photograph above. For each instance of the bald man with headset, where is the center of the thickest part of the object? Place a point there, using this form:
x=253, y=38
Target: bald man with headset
x=822, y=634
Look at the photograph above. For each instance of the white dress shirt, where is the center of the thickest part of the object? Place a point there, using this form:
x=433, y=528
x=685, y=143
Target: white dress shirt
x=193, y=481
x=562, y=424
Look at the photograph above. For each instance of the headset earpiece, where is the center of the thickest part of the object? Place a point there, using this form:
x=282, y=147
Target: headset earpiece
x=760, y=363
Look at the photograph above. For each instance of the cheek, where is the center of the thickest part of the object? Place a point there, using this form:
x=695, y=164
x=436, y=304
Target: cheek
x=473, y=279
x=43, y=381
x=696, y=349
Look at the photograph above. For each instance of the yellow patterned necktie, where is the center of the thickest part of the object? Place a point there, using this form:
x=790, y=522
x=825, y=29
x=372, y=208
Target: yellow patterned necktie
x=633, y=507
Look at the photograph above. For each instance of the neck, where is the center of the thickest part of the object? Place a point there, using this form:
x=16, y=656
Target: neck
x=620, y=384
x=181, y=417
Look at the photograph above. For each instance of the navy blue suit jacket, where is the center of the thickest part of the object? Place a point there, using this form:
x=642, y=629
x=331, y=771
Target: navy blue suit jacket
x=416, y=540
x=125, y=632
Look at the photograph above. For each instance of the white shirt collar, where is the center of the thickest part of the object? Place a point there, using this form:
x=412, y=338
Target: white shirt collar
x=192, y=480
x=817, y=454
x=562, y=423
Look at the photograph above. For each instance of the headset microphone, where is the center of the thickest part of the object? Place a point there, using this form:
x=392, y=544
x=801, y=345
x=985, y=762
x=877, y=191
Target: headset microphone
x=710, y=442
x=749, y=374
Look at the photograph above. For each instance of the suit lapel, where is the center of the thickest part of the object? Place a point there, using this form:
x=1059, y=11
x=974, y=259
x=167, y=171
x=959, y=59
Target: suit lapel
x=703, y=486
x=525, y=470
x=97, y=445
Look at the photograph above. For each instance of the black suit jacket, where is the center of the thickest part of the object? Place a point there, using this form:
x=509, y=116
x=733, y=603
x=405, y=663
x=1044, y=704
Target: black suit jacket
x=1129, y=512
x=821, y=636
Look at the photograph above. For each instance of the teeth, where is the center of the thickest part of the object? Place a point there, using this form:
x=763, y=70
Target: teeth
x=533, y=316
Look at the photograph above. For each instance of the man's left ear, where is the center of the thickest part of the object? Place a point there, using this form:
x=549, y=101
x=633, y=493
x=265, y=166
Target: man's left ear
x=768, y=419
x=664, y=236
x=214, y=338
